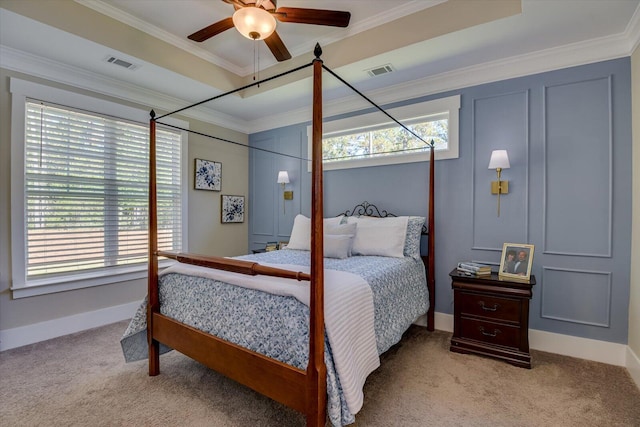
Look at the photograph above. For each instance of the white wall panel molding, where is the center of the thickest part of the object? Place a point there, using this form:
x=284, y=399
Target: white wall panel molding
x=500, y=122
x=578, y=114
x=576, y=296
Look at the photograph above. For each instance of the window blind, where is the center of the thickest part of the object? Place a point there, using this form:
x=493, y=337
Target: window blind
x=86, y=190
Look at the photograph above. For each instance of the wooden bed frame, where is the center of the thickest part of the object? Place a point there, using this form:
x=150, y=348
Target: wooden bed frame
x=304, y=391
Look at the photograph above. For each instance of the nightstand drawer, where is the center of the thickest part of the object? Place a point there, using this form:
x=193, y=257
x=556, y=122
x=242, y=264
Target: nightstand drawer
x=492, y=333
x=491, y=307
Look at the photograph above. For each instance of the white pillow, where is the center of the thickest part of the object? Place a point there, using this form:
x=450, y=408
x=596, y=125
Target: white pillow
x=343, y=230
x=301, y=232
x=380, y=236
x=332, y=221
x=337, y=245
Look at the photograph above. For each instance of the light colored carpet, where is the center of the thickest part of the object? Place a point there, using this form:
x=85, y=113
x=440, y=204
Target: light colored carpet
x=82, y=380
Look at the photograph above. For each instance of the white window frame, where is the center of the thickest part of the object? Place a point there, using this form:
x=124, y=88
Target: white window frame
x=21, y=90
x=449, y=105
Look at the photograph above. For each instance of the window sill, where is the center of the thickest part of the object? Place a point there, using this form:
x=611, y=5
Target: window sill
x=85, y=280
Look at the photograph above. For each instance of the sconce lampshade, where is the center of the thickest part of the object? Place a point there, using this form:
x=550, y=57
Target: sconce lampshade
x=283, y=177
x=499, y=159
x=254, y=23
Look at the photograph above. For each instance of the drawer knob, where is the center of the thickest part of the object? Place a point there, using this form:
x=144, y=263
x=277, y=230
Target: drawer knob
x=489, y=334
x=485, y=308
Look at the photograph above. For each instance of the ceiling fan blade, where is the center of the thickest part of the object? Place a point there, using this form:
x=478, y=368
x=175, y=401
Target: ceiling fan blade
x=333, y=18
x=277, y=47
x=212, y=30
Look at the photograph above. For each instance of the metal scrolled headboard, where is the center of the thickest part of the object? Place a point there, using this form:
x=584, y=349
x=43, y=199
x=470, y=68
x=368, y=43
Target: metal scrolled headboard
x=367, y=209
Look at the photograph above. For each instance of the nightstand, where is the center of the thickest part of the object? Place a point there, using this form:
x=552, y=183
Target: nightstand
x=491, y=317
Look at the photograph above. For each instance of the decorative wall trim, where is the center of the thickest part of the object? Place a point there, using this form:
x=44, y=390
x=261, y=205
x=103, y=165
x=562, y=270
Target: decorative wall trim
x=30, y=334
x=607, y=302
x=525, y=195
x=545, y=249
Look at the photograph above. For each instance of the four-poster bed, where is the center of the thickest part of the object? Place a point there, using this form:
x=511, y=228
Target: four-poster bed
x=303, y=387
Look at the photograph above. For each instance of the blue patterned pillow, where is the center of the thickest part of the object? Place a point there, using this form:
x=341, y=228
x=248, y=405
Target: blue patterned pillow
x=412, y=240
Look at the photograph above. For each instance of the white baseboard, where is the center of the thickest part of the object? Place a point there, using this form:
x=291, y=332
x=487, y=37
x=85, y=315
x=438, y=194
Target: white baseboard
x=30, y=334
x=582, y=348
x=443, y=322
x=633, y=366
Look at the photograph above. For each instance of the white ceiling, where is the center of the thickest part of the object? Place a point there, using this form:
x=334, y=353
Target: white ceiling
x=547, y=34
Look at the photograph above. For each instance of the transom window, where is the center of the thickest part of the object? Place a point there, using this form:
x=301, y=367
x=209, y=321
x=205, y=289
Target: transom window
x=379, y=140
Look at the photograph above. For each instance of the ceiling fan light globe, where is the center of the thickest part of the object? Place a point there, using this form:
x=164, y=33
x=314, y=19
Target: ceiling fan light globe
x=250, y=21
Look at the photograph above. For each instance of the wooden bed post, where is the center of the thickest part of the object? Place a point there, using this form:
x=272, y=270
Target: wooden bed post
x=153, y=305
x=316, y=370
x=431, y=274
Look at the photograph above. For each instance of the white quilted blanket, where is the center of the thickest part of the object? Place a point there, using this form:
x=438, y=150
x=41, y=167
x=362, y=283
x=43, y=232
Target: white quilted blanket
x=349, y=317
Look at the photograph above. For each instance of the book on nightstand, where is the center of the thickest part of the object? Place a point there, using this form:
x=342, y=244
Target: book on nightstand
x=474, y=268
x=271, y=246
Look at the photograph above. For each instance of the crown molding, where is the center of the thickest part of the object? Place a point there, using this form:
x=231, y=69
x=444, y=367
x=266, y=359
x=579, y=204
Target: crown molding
x=382, y=18
x=165, y=36
x=574, y=54
x=36, y=66
x=632, y=31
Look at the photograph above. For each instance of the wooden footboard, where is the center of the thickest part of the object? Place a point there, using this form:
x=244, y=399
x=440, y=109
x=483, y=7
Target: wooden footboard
x=279, y=381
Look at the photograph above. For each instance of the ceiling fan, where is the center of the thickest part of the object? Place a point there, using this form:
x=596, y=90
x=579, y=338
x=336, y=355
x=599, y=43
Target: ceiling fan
x=256, y=20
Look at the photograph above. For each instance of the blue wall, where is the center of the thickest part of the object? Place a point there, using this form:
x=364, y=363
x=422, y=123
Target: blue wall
x=568, y=134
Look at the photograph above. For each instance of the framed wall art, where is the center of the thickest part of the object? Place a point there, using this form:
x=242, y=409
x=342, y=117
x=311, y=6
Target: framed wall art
x=208, y=175
x=516, y=261
x=231, y=209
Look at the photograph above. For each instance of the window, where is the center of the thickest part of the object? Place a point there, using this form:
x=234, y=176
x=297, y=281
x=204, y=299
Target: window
x=83, y=219
x=374, y=139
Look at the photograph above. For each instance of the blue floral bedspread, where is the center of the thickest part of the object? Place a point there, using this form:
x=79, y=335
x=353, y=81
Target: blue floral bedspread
x=278, y=326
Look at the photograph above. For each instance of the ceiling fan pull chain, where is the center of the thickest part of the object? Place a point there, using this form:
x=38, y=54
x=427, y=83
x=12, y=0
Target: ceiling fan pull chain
x=256, y=61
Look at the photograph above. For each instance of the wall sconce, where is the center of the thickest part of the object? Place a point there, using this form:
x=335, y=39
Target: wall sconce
x=499, y=160
x=283, y=179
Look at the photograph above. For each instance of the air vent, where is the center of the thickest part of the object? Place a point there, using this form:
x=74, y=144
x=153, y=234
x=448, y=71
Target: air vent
x=120, y=62
x=378, y=71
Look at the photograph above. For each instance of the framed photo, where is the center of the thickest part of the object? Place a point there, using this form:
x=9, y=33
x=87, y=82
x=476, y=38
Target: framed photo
x=208, y=175
x=231, y=209
x=516, y=262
